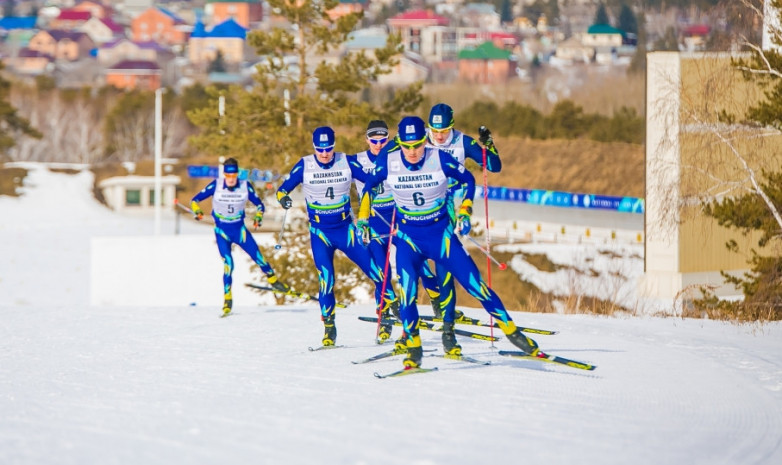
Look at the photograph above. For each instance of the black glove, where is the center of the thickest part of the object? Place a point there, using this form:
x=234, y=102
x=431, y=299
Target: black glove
x=286, y=202
x=484, y=136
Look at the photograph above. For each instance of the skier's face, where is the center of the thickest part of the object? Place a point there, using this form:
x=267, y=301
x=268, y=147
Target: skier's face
x=413, y=153
x=376, y=143
x=439, y=137
x=324, y=155
x=231, y=179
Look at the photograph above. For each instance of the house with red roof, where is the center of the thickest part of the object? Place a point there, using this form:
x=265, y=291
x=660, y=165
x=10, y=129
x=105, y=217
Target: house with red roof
x=410, y=24
x=96, y=9
x=102, y=30
x=134, y=74
x=70, y=20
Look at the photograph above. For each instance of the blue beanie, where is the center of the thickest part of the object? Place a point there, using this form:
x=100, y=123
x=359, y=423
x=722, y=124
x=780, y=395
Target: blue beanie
x=323, y=137
x=441, y=116
x=412, y=129
x=230, y=166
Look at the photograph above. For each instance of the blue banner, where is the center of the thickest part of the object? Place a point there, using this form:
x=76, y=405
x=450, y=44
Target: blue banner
x=256, y=175
x=563, y=199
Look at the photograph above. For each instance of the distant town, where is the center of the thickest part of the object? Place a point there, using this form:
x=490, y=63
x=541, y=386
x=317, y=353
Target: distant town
x=142, y=44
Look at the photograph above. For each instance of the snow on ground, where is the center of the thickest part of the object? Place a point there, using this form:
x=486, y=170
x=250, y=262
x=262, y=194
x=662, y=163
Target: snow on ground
x=81, y=384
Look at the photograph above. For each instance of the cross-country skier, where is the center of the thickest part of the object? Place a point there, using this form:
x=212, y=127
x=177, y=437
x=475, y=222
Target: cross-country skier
x=418, y=175
x=326, y=177
x=382, y=211
x=442, y=135
x=229, y=197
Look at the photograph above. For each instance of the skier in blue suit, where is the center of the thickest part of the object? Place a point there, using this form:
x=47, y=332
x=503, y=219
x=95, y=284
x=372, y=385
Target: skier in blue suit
x=417, y=176
x=229, y=197
x=326, y=177
x=442, y=135
x=382, y=212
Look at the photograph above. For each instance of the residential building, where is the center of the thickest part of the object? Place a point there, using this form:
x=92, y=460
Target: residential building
x=62, y=45
x=102, y=30
x=160, y=25
x=69, y=20
x=244, y=13
x=410, y=25
x=603, y=35
x=95, y=9
x=347, y=7
x=31, y=62
x=480, y=15
x=227, y=37
x=134, y=74
x=486, y=64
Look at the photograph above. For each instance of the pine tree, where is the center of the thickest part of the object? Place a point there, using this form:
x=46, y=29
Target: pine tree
x=759, y=208
x=627, y=21
x=601, y=16
x=11, y=124
x=270, y=125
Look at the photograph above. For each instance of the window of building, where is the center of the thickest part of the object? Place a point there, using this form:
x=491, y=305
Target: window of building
x=152, y=197
x=132, y=197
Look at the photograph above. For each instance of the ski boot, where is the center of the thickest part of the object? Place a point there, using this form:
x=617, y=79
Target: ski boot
x=400, y=345
x=384, y=331
x=518, y=339
x=330, y=331
x=450, y=346
x=278, y=285
x=227, y=304
x=414, y=351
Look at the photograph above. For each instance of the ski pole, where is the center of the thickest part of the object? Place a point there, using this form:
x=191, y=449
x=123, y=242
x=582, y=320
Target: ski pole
x=278, y=245
x=186, y=209
x=488, y=234
x=385, y=276
x=502, y=266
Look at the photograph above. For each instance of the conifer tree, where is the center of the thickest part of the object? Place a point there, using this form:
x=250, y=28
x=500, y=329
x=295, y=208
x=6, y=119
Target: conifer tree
x=270, y=125
x=11, y=124
x=758, y=208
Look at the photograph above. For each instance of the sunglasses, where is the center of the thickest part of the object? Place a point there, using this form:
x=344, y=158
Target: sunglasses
x=324, y=149
x=414, y=144
x=231, y=175
x=440, y=131
x=378, y=141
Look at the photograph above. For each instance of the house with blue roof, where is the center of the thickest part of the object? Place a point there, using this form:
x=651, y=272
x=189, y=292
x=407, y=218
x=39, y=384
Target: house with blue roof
x=228, y=37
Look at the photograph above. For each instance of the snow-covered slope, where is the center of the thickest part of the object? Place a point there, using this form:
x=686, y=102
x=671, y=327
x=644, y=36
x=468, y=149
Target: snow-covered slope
x=81, y=384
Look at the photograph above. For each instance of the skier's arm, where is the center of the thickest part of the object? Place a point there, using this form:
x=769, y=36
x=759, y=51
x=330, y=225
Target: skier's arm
x=205, y=193
x=252, y=196
x=474, y=151
x=455, y=170
x=293, y=179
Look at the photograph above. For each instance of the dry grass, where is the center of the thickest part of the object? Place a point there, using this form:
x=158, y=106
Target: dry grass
x=582, y=166
x=10, y=179
x=595, y=90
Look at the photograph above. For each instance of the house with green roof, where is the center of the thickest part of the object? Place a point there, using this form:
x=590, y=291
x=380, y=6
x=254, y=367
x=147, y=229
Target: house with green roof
x=603, y=35
x=486, y=64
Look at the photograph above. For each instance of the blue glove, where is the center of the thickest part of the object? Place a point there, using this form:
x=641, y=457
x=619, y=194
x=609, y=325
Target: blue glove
x=363, y=231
